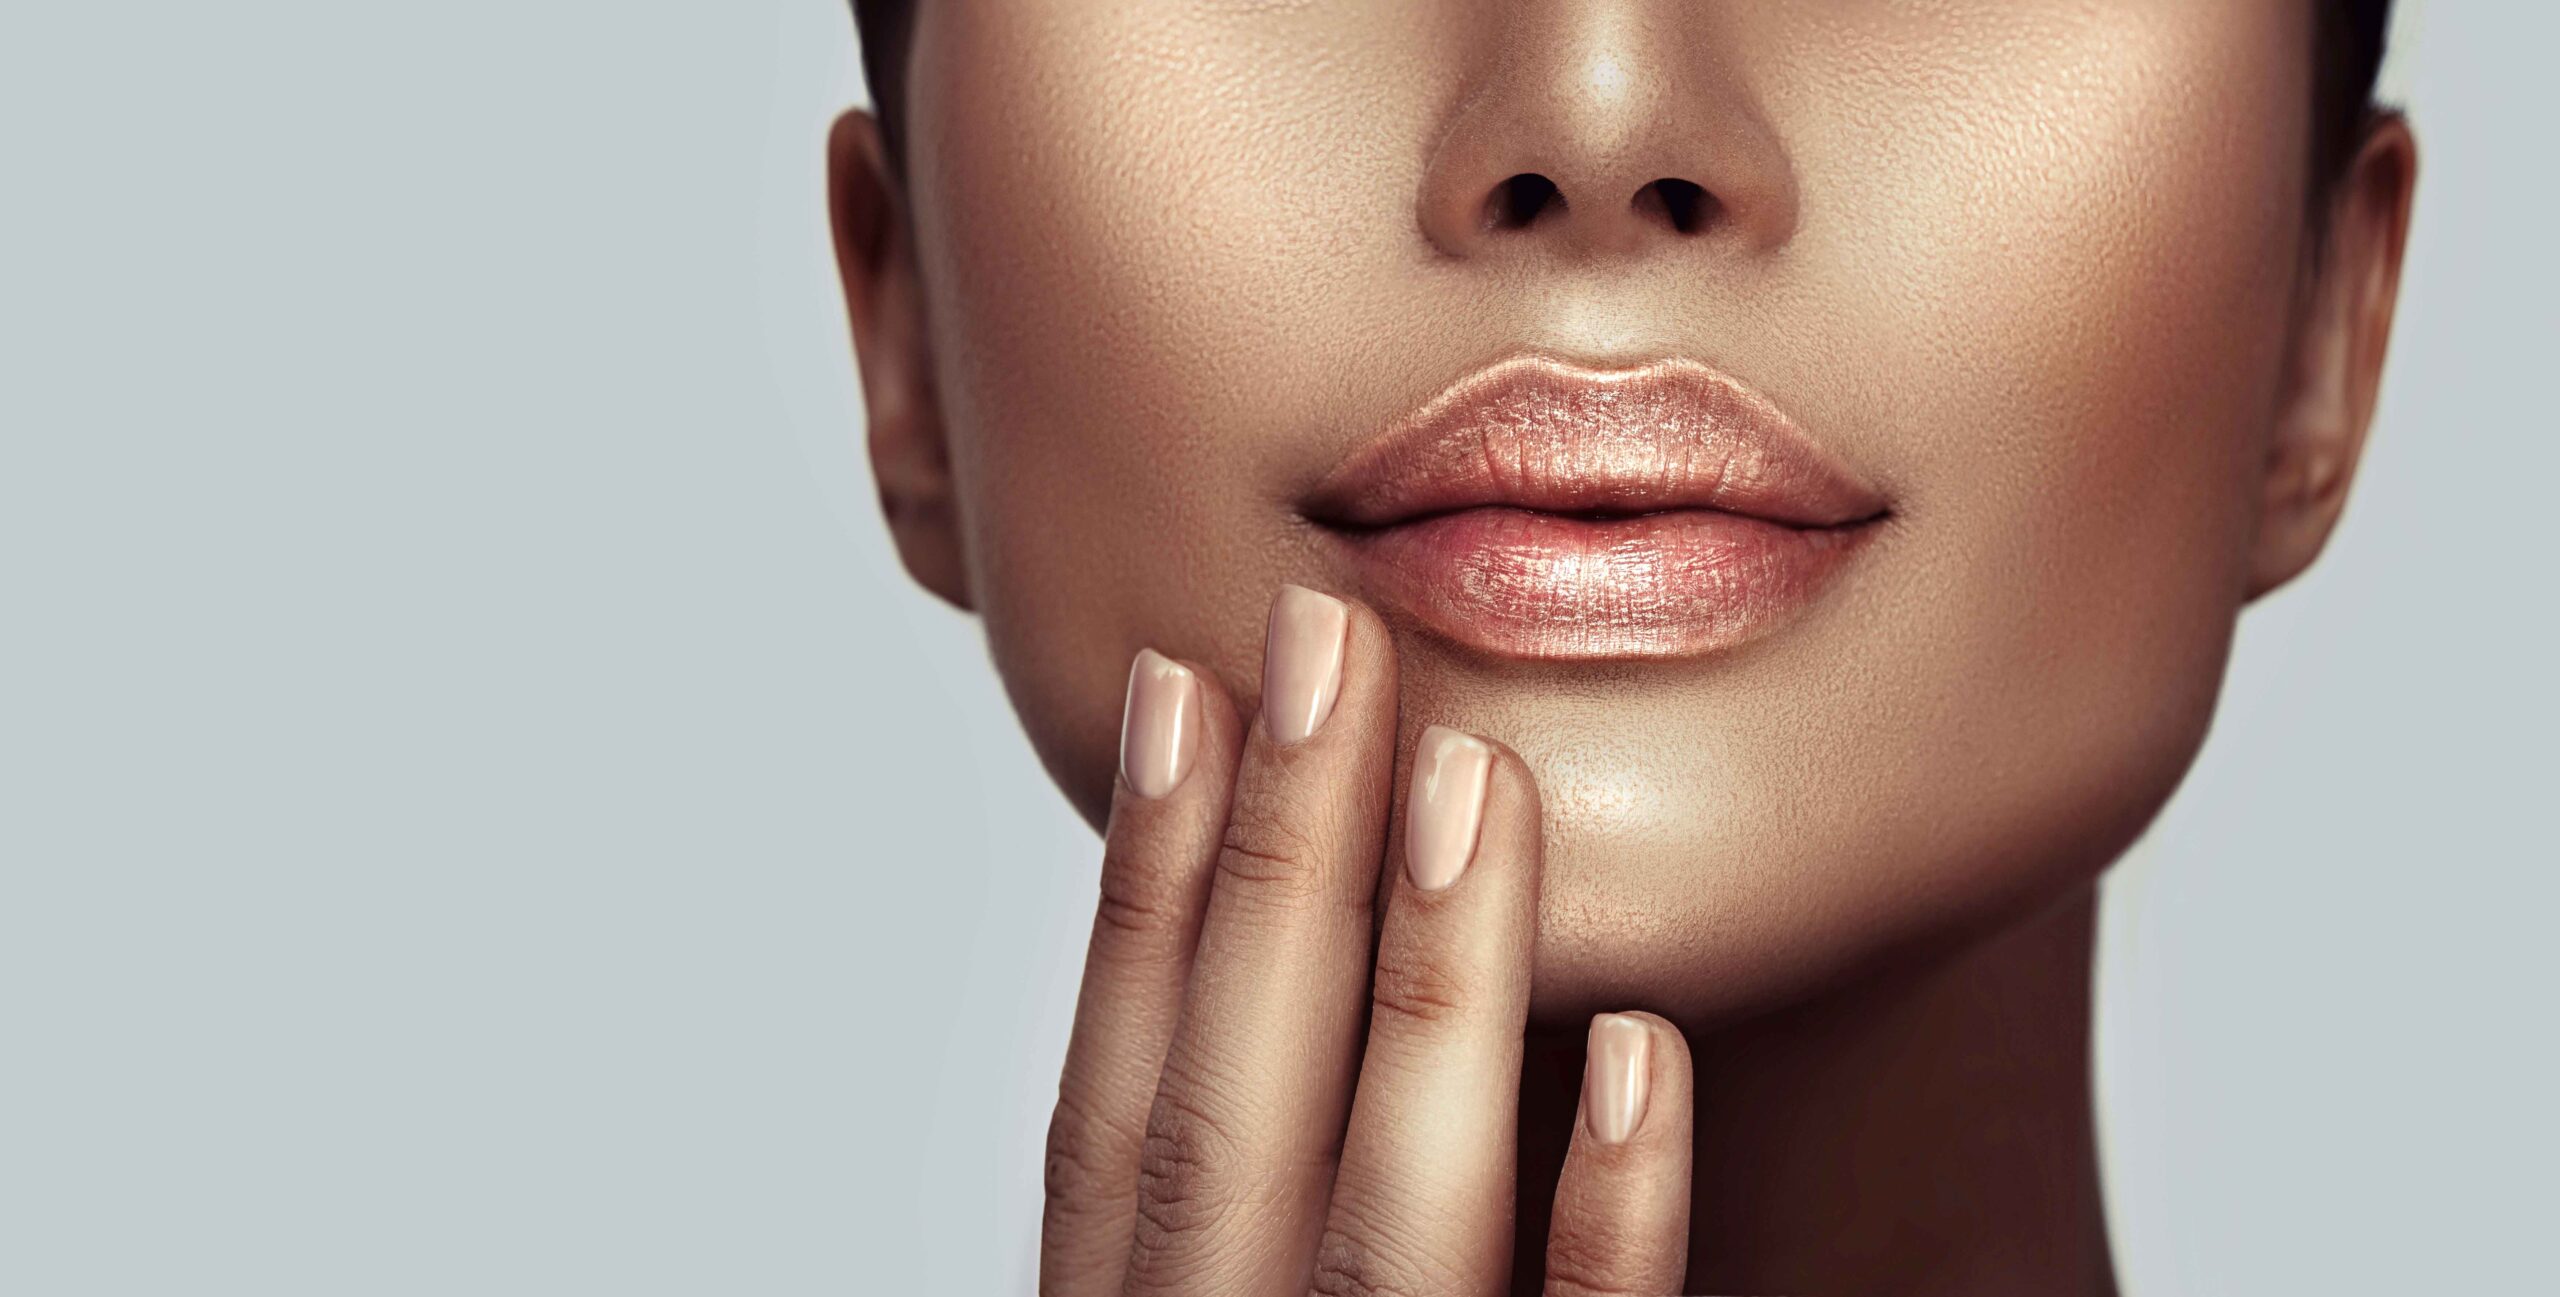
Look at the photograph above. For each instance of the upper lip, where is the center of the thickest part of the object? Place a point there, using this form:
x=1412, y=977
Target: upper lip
x=1537, y=433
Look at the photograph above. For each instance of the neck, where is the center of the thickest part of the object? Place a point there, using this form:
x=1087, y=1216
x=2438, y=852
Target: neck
x=1925, y=1129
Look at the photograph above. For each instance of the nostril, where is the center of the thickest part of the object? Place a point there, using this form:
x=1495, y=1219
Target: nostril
x=1680, y=204
x=1521, y=201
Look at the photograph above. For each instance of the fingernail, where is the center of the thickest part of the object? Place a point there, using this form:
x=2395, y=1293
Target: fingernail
x=1616, y=1074
x=1302, y=662
x=1160, y=728
x=1446, y=807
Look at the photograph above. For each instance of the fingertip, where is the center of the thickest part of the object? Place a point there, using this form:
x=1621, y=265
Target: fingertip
x=1513, y=781
x=1221, y=721
x=1159, y=725
x=1514, y=823
x=1636, y=1078
x=1368, y=646
x=1617, y=1077
x=1621, y=1212
x=1179, y=742
x=1371, y=646
x=1364, y=619
x=1670, y=1044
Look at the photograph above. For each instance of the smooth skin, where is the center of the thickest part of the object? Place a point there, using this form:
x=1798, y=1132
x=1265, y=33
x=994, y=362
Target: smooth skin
x=2055, y=276
x=1253, y=1102
x=2043, y=271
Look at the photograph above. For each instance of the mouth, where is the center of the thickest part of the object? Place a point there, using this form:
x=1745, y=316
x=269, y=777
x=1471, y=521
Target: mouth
x=1539, y=509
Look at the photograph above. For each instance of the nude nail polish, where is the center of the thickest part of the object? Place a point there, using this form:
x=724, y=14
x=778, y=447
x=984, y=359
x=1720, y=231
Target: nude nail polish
x=1444, y=810
x=1617, y=1073
x=1160, y=726
x=1302, y=662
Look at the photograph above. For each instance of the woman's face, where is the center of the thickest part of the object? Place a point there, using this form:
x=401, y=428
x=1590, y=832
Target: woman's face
x=1835, y=435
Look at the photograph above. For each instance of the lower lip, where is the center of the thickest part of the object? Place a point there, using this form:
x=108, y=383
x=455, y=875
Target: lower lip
x=1543, y=585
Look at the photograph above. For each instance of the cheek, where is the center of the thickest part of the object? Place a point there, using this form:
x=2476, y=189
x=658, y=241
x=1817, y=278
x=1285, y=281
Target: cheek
x=2063, y=263
x=1139, y=317
x=2042, y=285
x=2068, y=296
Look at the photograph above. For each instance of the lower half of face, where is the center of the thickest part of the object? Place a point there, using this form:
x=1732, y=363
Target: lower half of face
x=2021, y=271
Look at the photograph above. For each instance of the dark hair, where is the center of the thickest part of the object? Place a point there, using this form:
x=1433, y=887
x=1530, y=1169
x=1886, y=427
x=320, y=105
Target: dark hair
x=2347, y=41
x=886, y=28
x=2346, y=45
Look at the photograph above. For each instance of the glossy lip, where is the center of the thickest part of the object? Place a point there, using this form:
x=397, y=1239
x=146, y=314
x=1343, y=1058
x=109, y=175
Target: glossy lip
x=1541, y=509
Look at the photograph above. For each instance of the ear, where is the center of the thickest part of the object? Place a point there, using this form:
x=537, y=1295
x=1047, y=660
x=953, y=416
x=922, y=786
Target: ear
x=875, y=255
x=2341, y=333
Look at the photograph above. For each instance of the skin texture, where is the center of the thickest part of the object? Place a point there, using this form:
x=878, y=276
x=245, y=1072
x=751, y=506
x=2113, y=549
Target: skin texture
x=1350, y=1125
x=2040, y=272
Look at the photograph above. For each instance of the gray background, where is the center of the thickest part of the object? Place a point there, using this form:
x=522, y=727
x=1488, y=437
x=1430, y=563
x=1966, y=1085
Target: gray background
x=452, y=833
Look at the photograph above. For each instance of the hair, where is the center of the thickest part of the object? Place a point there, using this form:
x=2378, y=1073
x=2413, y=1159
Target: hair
x=2346, y=46
x=887, y=29
x=2347, y=38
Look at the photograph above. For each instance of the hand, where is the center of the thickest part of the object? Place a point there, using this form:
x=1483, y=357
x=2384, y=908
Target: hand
x=1249, y=1105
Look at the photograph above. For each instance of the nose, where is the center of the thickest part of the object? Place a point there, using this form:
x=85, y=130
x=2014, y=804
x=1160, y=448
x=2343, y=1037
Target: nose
x=1606, y=127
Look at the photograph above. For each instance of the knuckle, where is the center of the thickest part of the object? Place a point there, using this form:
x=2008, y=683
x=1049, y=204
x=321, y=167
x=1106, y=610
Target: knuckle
x=1415, y=991
x=1080, y=1172
x=1128, y=920
x=1183, y=1161
x=1137, y=904
x=1347, y=1266
x=1581, y=1263
x=1269, y=854
x=1568, y=1286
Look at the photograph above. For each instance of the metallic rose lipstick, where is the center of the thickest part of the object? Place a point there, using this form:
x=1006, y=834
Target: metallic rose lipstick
x=1541, y=509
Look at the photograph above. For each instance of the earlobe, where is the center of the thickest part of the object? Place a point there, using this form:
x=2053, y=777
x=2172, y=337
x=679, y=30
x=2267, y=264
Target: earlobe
x=2336, y=362
x=884, y=299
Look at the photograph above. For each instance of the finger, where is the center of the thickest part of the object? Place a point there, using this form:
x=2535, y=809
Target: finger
x=1622, y=1205
x=1178, y=742
x=1424, y=1199
x=1248, y=1115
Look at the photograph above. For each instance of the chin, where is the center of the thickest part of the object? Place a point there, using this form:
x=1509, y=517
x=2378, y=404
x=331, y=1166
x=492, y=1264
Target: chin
x=1730, y=839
